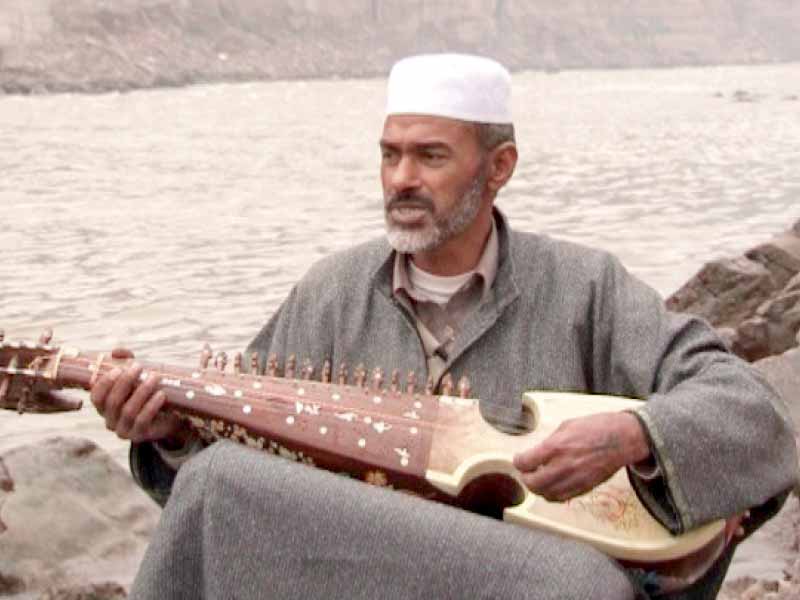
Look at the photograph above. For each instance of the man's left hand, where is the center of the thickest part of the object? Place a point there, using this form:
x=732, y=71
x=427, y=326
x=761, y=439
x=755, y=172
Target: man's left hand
x=581, y=454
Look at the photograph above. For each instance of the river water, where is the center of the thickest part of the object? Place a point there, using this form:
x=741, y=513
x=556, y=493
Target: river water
x=164, y=219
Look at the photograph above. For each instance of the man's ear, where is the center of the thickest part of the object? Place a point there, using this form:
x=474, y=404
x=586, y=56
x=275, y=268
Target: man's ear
x=502, y=161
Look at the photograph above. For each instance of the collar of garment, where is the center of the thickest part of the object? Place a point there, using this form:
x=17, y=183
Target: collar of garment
x=440, y=289
x=502, y=293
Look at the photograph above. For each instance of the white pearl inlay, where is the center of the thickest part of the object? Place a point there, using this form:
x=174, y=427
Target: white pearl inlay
x=417, y=404
x=256, y=385
x=215, y=389
x=238, y=393
x=377, y=399
x=301, y=392
x=190, y=394
x=247, y=409
x=336, y=397
x=362, y=443
x=290, y=420
x=367, y=420
x=323, y=430
x=380, y=427
x=404, y=455
x=414, y=431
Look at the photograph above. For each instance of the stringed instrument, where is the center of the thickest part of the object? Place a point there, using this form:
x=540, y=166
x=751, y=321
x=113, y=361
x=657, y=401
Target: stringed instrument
x=437, y=446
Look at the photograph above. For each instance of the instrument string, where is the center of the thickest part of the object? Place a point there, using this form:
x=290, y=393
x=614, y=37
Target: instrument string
x=509, y=419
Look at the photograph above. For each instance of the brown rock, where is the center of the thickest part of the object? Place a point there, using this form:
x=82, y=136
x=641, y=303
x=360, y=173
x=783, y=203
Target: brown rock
x=751, y=340
x=725, y=292
x=74, y=517
x=754, y=300
x=783, y=373
x=793, y=285
x=95, y=591
x=772, y=331
x=781, y=256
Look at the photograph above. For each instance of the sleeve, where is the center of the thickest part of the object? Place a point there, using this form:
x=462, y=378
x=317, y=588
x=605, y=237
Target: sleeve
x=720, y=436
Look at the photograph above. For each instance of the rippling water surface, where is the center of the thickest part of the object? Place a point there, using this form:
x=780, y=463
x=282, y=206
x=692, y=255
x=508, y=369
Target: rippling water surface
x=164, y=219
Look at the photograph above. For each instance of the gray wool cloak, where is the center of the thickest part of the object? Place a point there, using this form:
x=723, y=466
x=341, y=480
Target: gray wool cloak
x=565, y=317
x=562, y=317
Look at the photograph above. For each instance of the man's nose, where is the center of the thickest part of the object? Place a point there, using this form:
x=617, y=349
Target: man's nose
x=405, y=175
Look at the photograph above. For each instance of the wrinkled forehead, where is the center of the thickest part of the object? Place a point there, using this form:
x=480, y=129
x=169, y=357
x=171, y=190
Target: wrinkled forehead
x=427, y=129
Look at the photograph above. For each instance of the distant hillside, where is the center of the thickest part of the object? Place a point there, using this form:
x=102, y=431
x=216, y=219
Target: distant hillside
x=97, y=45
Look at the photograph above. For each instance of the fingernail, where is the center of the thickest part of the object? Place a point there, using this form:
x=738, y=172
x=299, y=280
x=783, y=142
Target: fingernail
x=136, y=366
x=115, y=372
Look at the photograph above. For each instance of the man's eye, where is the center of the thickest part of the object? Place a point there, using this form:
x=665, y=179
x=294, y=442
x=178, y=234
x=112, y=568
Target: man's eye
x=434, y=157
x=388, y=155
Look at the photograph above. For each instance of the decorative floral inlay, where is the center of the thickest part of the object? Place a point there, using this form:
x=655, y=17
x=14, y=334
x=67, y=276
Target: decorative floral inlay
x=376, y=478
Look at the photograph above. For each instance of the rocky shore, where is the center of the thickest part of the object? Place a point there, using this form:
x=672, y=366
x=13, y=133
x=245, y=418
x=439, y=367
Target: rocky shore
x=100, y=46
x=73, y=525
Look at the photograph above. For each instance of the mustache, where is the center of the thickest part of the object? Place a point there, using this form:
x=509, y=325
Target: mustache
x=409, y=199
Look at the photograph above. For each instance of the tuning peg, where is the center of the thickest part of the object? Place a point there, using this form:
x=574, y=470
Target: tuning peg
x=464, y=387
x=237, y=363
x=360, y=375
x=447, y=385
x=290, y=367
x=429, y=385
x=326, y=372
x=272, y=365
x=395, y=381
x=205, y=356
x=5, y=382
x=342, y=378
x=221, y=361
x=411, y=382
x=254, y=364
x=308, y=370
x=46, y=337
x=377, y=378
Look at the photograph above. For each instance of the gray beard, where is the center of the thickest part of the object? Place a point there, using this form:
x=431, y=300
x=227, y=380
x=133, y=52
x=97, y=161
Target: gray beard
x=443, y=229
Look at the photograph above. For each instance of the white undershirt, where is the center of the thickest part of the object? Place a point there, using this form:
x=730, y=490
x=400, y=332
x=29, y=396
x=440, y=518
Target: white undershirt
x=435, y=288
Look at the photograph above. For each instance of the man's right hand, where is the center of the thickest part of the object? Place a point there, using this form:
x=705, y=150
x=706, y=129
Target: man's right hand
x=132, y=408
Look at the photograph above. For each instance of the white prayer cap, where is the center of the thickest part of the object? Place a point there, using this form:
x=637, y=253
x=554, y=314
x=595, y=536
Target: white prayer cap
x=458, y=86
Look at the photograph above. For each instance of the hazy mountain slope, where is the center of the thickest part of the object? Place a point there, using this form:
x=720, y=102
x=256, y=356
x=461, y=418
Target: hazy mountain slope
x=94, y=45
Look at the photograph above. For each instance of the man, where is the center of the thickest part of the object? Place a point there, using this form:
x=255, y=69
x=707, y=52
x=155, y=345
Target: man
x=456, y=291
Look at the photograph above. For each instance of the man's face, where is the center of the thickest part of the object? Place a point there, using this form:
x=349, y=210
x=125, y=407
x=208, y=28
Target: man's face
x=433, y=180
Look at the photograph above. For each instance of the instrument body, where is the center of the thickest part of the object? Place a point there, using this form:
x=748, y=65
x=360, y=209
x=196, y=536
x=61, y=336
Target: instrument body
x=439, y=447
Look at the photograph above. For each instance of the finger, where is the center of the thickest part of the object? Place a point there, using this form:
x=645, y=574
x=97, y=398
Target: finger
x=134, y=404
x=532, y=459
x=101, y=389
x=568, y=487
x=146, y=426
x=169, y=426
x=119, y=395
x=121, y=353
x=542, y=480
